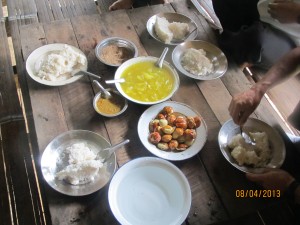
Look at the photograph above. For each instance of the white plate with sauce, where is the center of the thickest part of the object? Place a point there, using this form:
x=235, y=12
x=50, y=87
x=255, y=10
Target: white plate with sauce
x=149, y=191
x=39, y=55
x=151, y=113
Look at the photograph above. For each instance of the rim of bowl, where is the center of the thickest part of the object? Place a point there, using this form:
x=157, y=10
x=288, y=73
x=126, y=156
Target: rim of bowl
x=119, y=42
x=98, y=95
x=142, y=59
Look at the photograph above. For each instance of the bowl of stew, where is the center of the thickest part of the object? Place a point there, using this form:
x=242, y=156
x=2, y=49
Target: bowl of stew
x=145, y=83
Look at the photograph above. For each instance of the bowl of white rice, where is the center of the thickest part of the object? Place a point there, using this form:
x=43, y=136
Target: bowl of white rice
x=200, y=60
x=72, y=165
x=171, y=28
x=268, y=152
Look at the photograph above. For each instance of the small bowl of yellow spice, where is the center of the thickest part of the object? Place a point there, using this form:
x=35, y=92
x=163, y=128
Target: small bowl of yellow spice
x=110, y=107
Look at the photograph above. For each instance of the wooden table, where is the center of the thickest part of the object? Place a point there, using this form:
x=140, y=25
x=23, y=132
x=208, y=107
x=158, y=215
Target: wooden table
x=54, y=110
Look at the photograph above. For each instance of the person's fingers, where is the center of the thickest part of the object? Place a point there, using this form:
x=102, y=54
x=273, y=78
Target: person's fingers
x=233, y=112
x=244, y=117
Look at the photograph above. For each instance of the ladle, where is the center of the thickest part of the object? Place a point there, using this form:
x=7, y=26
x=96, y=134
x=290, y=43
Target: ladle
x=106, y=153
x=106, y=93
x=160, y=61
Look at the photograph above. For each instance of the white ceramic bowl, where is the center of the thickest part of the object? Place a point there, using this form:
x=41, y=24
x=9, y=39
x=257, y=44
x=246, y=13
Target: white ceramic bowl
x=133, y=61
x=149, y=191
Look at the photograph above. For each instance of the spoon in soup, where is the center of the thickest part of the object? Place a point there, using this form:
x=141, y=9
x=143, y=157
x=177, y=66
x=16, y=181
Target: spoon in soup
x=106, y=93
x=160, y=61
x=121, y=80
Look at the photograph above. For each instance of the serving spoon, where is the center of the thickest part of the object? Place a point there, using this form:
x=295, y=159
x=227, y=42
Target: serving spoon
x=160, y=61
x=246, y=137
x=106, y=93
x=106, y=153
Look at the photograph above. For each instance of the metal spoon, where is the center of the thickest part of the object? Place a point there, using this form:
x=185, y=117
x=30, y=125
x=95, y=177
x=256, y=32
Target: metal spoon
x=106, y=93
x=106, y=153
x=121, y=80
x=160, y=61
x=246, y=137
x=82, y=72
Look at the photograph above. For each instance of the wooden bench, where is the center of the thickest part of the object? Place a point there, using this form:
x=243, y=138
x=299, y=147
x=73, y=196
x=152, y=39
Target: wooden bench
x=20, y=200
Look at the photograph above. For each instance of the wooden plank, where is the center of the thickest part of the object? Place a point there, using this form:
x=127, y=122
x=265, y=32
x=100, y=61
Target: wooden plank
x=250, y=219
x=206, y=207
x=5, y=203
x=104, y=5
x=10, y=106
x=285, y=96
x=78, y=115
x=25, y=202
x=278, y=214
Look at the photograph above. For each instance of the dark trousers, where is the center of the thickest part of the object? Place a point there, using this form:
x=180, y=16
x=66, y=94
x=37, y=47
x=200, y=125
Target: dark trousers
x=245, y=38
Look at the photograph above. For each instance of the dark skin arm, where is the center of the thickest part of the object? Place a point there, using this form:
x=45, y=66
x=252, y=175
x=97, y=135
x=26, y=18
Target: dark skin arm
x=243, y=105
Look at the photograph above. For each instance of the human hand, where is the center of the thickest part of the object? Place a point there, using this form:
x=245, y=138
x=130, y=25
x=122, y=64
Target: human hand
x=284, y=11
x=243, y=104
x=273, y=179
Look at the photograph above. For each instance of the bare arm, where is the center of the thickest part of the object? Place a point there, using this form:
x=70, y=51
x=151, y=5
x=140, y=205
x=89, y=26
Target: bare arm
x=243, y=104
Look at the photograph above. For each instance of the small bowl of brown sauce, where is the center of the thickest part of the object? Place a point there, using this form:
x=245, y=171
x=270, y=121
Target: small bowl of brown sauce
x=115, y=50
x=110, y=107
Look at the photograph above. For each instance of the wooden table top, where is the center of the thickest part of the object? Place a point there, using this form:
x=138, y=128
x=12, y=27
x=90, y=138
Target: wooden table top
x=54, y=110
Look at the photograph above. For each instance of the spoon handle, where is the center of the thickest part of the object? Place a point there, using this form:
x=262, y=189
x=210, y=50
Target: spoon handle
x=106, y=93
x=91, y=74
x=162, y=57
x=113, y=148
x=121, y=80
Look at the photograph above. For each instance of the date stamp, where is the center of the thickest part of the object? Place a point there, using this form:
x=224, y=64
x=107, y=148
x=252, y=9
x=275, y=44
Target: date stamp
x=240, y=193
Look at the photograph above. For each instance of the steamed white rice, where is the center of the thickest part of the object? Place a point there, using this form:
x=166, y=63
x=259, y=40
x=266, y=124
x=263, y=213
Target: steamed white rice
x=59, y=65
x=83, y=165
x=167, y=31
x=196, y=62
x=255, y=155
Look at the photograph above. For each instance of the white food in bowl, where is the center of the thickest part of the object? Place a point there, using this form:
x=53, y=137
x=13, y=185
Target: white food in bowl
x=83, y=165
x=58, y=65
x=166, y=31
x=257, y=155
x=179, y=30
x=196, y=62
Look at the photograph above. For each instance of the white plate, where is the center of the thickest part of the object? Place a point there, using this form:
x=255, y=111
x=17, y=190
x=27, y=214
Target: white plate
x=149, y=191
x=230, y=129
x=173, y=17
x=216, y=56
x=35, y=59
x=53, y=160
x=150, y=114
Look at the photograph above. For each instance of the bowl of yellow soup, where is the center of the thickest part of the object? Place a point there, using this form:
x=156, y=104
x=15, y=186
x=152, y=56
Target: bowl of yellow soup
x=145, y=83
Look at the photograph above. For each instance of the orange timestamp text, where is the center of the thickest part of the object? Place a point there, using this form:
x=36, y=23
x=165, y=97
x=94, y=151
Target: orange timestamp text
x=257, y=193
